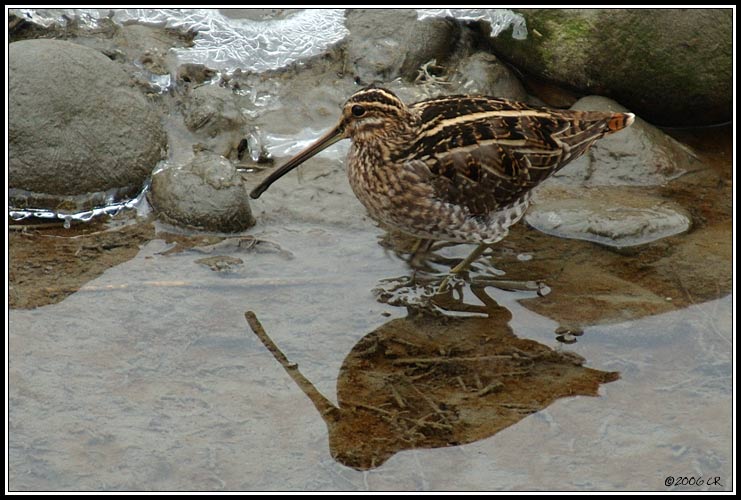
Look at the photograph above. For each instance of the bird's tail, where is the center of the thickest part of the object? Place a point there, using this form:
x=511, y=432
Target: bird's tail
x=619, y=121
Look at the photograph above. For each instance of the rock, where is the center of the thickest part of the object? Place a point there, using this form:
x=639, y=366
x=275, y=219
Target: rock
x=639, y=155
x=79, y=136
x=671, y=66
x=21, y=28
x=214, y=115
x=615, y=217
x=387, y=43
x=206, y=193
x=148, y=46
x=194, y=73
x=484, y=74
x=254, y=148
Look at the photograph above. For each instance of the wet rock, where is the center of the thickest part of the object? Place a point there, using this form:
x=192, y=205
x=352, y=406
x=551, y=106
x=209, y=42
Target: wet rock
x=147, y=46
x=671, y=66
x=214, y=115
x=194, y=73
x=20, y=27
x=484, y=74
x=206, y=193
x=615, y=217
x=384, y=44
x=254, y=148
x=245, y=244
x=75, y=128
x=639, y=155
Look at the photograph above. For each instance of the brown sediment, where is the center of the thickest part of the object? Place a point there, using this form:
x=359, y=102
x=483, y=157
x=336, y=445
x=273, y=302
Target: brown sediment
x=48, y=263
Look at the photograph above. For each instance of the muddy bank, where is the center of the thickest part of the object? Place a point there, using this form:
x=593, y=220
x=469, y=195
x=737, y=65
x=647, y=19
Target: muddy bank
x=49, y=264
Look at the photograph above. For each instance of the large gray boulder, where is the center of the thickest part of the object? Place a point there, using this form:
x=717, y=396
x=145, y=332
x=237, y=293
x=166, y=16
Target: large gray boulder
x=75, y=127
x=670, y=66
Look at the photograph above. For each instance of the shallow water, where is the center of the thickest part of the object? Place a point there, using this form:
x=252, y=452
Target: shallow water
x=150, y=378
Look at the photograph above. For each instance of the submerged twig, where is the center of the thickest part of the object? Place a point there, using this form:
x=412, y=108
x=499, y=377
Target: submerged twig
x=322, y=404
x=449, y=359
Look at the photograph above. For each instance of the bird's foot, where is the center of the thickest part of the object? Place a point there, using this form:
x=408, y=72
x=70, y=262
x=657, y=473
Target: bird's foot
x=462, y=266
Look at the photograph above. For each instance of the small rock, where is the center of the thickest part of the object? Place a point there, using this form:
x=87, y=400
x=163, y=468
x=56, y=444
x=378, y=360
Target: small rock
x=569, y=330
x=484, y=74
x=147, y=46
x=194, y=73
x=154, y=61
x=206, y=193
x=214, y=115
x=220, y=263
x=254, y=148
x=566, y=339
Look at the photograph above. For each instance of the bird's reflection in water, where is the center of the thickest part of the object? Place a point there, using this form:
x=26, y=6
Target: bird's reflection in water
x=432, y=379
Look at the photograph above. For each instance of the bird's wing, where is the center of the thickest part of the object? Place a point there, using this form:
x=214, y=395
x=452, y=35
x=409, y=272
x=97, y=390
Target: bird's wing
x=485, y=153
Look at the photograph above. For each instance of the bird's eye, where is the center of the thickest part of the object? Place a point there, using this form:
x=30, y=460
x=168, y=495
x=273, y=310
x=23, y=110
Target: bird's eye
x=358, y=110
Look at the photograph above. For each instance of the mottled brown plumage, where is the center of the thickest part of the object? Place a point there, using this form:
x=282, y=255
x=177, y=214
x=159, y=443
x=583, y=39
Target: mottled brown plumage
x=454, y=168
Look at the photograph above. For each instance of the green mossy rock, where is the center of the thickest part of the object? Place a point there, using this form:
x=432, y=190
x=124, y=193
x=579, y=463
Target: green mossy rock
x=670, y=66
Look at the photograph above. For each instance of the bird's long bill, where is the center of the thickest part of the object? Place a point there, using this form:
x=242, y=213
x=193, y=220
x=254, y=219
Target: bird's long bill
x=323, y=142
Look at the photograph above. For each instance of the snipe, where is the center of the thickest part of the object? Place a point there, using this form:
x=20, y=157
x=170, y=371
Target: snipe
x=454, y=168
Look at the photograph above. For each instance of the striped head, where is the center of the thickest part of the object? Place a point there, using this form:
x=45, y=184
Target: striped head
x=374, y=113
x=371, y=115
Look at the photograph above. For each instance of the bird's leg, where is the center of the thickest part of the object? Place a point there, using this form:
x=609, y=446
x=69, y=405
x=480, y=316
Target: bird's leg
x=417, y=259
x=463, y=265
x=415, y=249
x=421, y=247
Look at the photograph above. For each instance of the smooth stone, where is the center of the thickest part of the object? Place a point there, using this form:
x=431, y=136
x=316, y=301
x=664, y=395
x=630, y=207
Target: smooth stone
x=612, y=216
x=388, y=43
x=205, y=193
x=79, y=134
